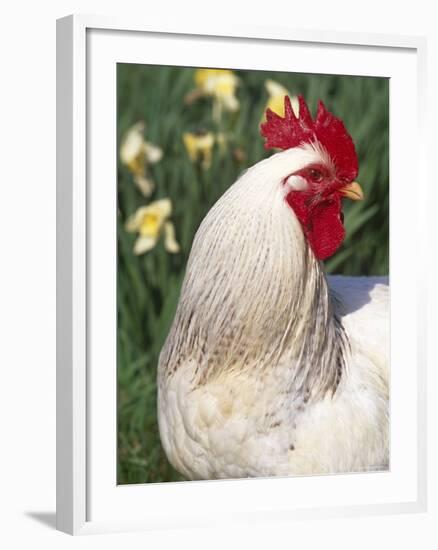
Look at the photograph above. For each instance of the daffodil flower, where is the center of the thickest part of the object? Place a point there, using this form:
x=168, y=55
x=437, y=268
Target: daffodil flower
x=199, y=147
x=137, y=154
x=276, y=98
x=220, y=84
x=150, y=222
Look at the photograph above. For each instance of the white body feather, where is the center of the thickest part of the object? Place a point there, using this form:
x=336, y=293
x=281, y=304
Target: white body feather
x=248, y=378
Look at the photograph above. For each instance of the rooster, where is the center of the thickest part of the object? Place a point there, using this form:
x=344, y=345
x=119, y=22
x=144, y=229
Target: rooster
x=271, y=368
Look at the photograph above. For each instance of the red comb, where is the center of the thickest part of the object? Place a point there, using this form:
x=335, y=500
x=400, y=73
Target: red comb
x=326, y=129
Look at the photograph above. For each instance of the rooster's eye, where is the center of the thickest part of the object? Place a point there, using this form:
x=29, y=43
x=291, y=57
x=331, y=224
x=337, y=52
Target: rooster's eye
x=315, y=175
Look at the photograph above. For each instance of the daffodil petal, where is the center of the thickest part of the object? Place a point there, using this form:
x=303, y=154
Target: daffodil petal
x=198, y=146
x=153, y=152
x=132, y=143
x=275, y=88
x=189, y=141
x=201, y=76
x=276, y=93
x=161, y=207
x=170, y=242
x=144, y=244
x=216, y=81
x=276, y=104
x=148, y=221
x=295, y=105
x=230, y=102
x=134, y=221
x=205, y=77
x=145, y=184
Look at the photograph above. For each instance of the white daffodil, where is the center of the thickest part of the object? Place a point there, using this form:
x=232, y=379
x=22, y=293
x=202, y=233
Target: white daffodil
x=199, y=147
x=150, y=222
x=136, y=154
x=276, y=98
x=221, y=85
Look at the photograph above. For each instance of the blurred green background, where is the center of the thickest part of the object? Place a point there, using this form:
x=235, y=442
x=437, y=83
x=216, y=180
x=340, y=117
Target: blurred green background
x=148, y=284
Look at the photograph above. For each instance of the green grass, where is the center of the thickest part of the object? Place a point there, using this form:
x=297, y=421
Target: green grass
x=148, y=285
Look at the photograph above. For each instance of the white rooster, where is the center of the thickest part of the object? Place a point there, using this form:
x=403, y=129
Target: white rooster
x=270, y=367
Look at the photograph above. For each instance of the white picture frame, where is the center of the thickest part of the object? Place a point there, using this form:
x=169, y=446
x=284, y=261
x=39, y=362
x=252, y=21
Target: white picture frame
x=88, y=500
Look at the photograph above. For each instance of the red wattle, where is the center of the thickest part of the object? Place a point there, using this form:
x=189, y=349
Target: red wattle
x=321, y=222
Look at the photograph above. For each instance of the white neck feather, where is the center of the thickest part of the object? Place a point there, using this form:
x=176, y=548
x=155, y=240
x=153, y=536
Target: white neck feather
x=254, y=294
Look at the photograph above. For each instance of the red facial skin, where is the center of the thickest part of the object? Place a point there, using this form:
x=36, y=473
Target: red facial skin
x=319, y=209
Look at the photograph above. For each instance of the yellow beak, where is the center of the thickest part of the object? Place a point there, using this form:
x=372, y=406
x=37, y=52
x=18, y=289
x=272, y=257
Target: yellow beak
x=353, y=191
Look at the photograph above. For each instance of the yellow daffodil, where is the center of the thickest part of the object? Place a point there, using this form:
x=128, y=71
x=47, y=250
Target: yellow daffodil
x=220, y=84
x=136, y=154
x=276, y=98
x=199, y=147
x=150, y=222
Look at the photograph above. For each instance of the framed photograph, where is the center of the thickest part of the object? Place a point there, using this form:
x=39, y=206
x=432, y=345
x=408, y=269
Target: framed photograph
x=239, y=335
